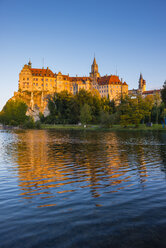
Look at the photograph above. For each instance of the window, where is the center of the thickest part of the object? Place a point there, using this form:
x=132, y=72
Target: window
x=36, y=84
x=33, y=79
x=46, y=84
x=46, y=79
x=27, y=79
x=36, y=79
x=50, y=80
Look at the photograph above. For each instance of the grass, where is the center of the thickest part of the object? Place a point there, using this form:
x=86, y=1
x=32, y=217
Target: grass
x=142, y=127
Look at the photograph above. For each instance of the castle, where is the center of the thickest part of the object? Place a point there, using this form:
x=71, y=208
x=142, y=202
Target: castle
x=36, y=84
x=142, y=89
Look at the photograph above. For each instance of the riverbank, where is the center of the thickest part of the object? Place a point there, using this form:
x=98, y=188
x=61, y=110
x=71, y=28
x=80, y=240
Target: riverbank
x=142, y=127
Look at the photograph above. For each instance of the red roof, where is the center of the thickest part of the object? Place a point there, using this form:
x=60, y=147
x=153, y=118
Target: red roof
x=80, y=78
x=42, y=72
x=112, y=79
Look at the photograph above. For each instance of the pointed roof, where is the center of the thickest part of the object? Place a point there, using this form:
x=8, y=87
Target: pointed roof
x=141, y=76
x=29, y=63
x=94, y=61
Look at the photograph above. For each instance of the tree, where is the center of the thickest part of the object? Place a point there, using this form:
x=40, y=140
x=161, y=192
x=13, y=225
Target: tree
x=133, y=110
x=63, y=108
x=14, y=112
x=107, y=120
x=163, y=93
x=85, y=114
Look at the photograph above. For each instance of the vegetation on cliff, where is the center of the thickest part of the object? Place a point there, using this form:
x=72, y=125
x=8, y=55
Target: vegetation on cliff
x=14, y=114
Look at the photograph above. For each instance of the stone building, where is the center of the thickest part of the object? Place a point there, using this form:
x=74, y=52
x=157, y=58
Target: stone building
x=142, y=89
x=36, y=84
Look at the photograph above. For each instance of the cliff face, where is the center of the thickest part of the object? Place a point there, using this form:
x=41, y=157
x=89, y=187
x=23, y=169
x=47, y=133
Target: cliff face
x=36, y=102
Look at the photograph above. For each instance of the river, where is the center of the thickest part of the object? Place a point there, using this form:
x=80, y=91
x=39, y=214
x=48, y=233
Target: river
x=82, y=189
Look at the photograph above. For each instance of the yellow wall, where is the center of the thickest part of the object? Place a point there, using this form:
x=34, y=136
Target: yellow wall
x=58, y=82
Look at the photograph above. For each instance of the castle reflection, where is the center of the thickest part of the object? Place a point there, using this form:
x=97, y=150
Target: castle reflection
x=50, y=163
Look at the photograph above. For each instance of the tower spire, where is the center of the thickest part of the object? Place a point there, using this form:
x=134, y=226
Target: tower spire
x=29, y=63
x=94, y=69
x=94, y=60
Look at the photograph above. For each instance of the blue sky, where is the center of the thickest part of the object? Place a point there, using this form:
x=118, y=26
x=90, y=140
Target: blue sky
x=127, y=34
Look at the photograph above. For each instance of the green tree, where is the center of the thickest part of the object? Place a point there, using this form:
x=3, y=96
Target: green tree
x=163, y=93
x=85, y=114
x=107, y=120
x=14, y=112
x=133, y=110
x=63, y=108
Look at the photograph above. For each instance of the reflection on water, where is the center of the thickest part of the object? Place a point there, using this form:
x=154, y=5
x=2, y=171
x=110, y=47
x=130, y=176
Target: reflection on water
x=47, y=160
x=75, y=172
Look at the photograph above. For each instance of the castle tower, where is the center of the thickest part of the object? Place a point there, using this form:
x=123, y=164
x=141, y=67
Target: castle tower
x=94, y=69
x=29, y=64
x=142, y=84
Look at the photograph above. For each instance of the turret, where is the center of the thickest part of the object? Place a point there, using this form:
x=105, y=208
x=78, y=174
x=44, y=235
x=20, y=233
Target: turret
x=94, y=69
x=142, y=84
x=29, y=64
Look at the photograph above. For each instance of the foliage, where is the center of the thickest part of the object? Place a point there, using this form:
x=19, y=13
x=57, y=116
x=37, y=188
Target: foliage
x=163, y=93
x=13, y=113
x=85, y=114
x=31, y=124
x=66, y=108
x=89, y=107
x=63, y=109
x=133, y=110
x=107, y=120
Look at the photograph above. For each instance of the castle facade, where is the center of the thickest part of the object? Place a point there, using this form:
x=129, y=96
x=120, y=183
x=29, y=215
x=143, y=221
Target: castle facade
x=36, y=84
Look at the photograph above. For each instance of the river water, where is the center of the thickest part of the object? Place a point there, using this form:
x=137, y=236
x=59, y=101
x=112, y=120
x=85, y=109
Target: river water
x=82, y=189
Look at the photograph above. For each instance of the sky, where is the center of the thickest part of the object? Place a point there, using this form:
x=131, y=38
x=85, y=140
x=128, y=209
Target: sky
x=127, y=36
